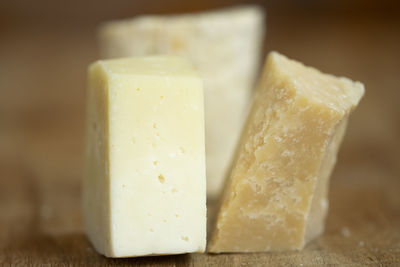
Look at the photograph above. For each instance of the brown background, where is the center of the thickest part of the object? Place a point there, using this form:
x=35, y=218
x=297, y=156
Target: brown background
x=45, y=47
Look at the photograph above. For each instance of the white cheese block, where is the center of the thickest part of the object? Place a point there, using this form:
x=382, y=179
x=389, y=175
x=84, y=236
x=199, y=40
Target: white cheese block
x=224, y=45
x=144, y=189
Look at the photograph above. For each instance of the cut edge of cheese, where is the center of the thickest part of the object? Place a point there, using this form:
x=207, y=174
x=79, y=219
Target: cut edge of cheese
x=96, y=170
x=245, y=12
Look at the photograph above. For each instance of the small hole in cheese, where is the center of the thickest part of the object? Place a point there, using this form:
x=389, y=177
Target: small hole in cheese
x=155, y=163
x=151, y=230
x=181, y=149
x=133, y=140
x=174, y=190
x=185, y=238
x=161, y=178
x=138, y=89
x=154, y=125
x=162, y=97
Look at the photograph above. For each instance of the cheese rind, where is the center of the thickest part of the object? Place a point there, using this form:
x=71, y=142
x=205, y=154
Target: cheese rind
x=276, y=198
x=144, y=188
x=225, y=46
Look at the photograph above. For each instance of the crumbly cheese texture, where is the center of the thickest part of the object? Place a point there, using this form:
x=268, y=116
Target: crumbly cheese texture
x=276, y=198
x=144, y=190
x=224, y=45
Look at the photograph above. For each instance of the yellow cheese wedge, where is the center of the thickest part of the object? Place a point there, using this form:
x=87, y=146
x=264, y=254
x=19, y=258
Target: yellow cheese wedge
x=225, y=45
x=276, y=197
x=144, y=190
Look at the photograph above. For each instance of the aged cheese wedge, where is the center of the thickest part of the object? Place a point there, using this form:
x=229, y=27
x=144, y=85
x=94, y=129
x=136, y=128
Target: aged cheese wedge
x=224, y=45
x=276, y=198
x=144, y=190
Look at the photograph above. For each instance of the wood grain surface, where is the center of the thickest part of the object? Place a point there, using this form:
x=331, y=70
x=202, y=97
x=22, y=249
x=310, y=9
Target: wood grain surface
x=42, y=109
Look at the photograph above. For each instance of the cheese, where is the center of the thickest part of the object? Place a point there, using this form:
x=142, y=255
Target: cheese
x=276, y=198
x=224, y=45
x=144, y=190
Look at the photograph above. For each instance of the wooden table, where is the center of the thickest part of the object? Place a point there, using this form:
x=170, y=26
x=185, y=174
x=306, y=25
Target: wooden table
x=42, y=104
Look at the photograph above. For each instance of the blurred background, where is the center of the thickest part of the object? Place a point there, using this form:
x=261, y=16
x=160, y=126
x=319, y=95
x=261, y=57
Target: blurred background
x=46, y=46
